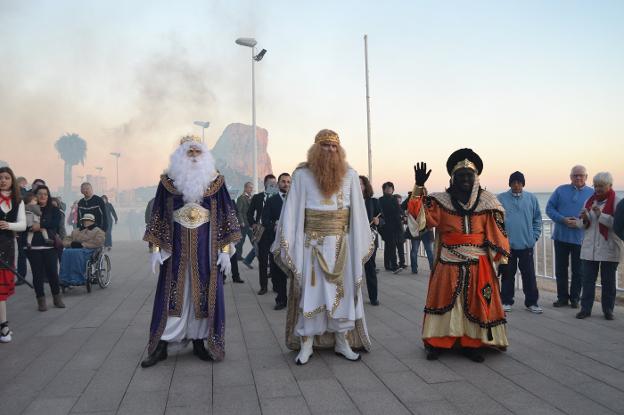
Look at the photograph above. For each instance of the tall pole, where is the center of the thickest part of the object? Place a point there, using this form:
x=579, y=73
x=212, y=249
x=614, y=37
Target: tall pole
x=117, y=185
x=253, y=118
x=203, y=129
x=368, y=123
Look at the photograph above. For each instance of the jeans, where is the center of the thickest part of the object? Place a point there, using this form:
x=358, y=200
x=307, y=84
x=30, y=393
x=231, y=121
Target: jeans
x=564, y=251
x=608, y=271
x=44, y=264
x=427, y=241
x=371, y=277
x=246, y=233
x=522, y=258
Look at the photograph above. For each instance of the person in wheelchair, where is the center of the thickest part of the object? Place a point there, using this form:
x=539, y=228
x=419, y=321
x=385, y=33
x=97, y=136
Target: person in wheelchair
x=79, y=247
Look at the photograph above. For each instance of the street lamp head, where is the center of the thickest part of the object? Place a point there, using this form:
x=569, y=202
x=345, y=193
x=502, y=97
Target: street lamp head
x=250, y=42
x=203, y=124
x=116, y=154
x=260, y=55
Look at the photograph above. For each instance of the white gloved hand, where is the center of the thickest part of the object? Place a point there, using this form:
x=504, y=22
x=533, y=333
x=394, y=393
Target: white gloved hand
x=156, y=261
x=223, y=262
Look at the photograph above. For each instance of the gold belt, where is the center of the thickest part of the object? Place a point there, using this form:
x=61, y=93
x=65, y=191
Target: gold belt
x=322, y=223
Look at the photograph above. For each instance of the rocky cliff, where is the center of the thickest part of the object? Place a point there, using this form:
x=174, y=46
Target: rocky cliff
x=233, y=153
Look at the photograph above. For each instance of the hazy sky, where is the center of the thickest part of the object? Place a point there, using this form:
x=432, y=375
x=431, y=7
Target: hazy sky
x=535, y=86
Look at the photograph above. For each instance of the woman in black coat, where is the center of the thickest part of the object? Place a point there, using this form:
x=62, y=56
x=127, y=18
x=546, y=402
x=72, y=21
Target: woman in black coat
x=374, y=219
x=42, y=254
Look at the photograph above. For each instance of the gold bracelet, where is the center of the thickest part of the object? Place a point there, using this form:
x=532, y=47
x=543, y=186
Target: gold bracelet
x=155, y=248
x=225, y=249
x=418, y=191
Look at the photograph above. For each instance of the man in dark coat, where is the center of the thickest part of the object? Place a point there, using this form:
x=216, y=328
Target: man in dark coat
x=392, y=231
x=254, y=214
x=270, y=217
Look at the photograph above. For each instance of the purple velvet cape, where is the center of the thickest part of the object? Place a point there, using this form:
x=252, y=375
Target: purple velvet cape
x=198, y=247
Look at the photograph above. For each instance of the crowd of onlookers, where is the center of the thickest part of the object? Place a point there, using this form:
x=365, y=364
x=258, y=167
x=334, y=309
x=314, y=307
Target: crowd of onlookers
x=588, y=231
x=32, y=232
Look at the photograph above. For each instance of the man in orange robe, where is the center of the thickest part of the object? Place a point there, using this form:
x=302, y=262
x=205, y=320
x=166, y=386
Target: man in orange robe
x=463, y=301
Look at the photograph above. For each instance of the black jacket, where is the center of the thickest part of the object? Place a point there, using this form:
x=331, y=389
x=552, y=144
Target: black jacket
x=392, y=214
x=270, y=215
x=50, y=220
x=96, y=207
x=254, y=214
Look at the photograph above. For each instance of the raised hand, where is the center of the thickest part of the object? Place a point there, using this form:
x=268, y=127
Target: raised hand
x=421, y=174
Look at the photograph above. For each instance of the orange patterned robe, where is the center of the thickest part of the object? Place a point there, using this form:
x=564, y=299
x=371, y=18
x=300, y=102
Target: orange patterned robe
x=463, y=301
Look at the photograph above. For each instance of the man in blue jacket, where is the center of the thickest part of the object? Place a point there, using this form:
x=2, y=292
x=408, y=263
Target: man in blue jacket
x=564, y=208
x=523, y=223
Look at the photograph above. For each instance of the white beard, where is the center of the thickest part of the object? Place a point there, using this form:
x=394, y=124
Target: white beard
x=191, y=176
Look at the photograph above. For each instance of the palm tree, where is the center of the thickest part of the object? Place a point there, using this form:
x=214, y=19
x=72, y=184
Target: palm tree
x=73, y=150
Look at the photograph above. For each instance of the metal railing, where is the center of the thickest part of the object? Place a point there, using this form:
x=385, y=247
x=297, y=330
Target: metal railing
x=544, y=256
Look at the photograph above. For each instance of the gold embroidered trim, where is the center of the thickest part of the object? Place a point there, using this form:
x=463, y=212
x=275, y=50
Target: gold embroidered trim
x=212, y=189
x=178, y=286
x=195, y=282
x=326, y=222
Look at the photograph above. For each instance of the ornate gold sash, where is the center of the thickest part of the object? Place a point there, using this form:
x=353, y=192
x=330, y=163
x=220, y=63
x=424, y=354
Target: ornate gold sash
x=321, y=223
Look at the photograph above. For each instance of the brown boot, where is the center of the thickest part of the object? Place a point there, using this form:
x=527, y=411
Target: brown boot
x=58, y=303
x=41, y=302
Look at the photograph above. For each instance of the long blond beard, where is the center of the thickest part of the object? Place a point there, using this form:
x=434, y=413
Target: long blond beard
x=329, y=168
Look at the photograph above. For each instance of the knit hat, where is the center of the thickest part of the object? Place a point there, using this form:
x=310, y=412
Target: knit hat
x=516, y=177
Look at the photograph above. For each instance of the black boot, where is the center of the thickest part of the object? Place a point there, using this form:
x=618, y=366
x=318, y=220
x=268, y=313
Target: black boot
x=200, y=351
x=432, y=353
x=160, y=353
x=473, y=354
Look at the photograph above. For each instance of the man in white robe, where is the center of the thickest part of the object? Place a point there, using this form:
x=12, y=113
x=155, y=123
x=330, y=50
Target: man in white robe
x=323, y=240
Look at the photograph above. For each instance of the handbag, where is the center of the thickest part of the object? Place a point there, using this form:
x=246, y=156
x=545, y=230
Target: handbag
x=256, y=233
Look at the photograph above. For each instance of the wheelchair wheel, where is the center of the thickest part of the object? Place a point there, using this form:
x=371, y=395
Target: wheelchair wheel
x=103, y=272
x=88, y=276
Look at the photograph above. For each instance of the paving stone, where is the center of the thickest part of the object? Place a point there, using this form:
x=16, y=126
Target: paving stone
x=284, y=406
x=50, y=406
x=85, y=359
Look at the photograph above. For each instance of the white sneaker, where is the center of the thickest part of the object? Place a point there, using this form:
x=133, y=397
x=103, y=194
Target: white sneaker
x=306, y=351
x=507, y=308
x=535, y=309
x=5, y=334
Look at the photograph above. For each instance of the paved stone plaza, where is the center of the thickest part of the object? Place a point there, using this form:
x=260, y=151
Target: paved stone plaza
x=85, y=359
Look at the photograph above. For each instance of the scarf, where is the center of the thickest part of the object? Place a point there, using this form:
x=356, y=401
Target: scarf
x=609, y=208
x=5, y=199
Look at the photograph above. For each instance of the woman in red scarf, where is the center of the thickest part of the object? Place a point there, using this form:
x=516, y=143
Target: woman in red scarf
x=12, y=219
x=602, y=248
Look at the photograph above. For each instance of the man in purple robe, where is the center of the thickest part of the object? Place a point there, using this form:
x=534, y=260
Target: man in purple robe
x=192, y=228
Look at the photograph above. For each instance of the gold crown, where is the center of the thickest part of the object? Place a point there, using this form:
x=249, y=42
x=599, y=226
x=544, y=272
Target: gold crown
x=465, y=164
x=327, y=136
x=188, y=138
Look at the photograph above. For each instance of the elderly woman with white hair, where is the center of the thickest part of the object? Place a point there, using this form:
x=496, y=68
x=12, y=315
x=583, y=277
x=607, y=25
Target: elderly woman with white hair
x=602, y=248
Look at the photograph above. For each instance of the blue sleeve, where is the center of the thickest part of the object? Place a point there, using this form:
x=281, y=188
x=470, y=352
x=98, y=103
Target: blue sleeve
x=537, y=219
x=551, y=207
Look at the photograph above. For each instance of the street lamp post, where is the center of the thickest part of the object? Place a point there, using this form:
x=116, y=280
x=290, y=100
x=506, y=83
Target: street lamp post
x=251, y=43
x=203, y=125
x=116, y=155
